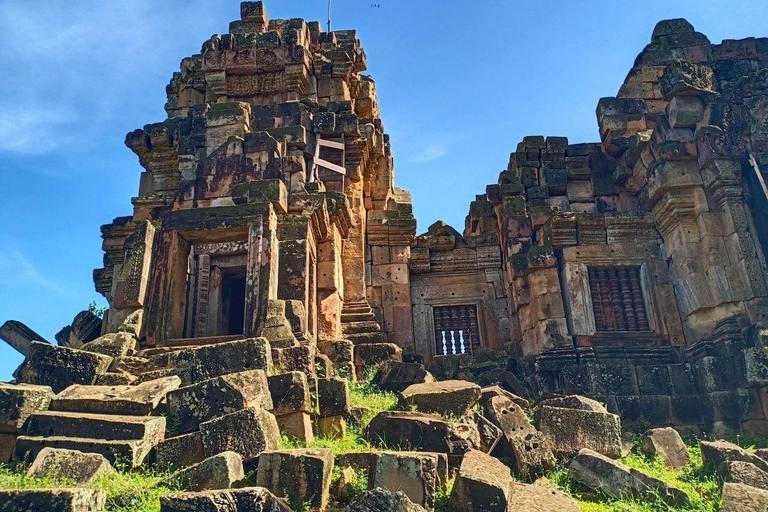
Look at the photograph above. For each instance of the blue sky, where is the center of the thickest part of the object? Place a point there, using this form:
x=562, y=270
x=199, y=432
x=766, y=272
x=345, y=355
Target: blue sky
x=460, y=83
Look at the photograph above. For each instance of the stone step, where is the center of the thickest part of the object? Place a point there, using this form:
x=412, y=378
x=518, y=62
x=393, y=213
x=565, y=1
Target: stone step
x=103, y=426
x=366, y=337
x=361, y=327
x=357, y=317
x=131, y=452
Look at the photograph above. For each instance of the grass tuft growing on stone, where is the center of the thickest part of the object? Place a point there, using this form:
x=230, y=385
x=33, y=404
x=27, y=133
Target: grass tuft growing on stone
x=135, y=491
x=698, y=482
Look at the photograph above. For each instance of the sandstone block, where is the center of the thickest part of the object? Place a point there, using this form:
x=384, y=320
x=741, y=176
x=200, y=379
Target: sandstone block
x=533, y=498
x=60, y=367
x=571, y=429
x=617, y=480
x=370, y=355
x=403, y=430
x=396, y=376
x=483, y=483
x=114, y=345
x=248, y=499
x=746, y=473
x=489, y=392
x=490, y=434
x=332, y=427
x=333, y=397
x=714, y=453
x=7, y=442
x=76, y=499
x=448, y=397
x=208, y=361
x=221, y=471
x=300, y=476
x=296, y=425
x=191, y=405
x=290, y=393
x=415, y=474
x=71, y=465
x=180, y=451
x=528, y=449
x=740, y=498
x=248, y=432
x=382, y=500
x=138, y=400
x=19, y=401
x=667, y=444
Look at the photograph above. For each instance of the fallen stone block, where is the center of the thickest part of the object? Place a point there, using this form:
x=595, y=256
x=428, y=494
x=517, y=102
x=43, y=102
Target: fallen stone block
x=129, y=439
x=332, y=427
x=296, y=359
x=19, y=401
x=667, y=444
x=490, y=434
x=296, y=425
x=290, y=393
x=415, y=474
x=613, y=478
x=482, y=483
x=341, y=354
x=382, y=500
x=70, y=465
x=7, y=442
x=208, y=361
x=743, y=498
x=19, y=336
x=714, y=453
x=119, y=344
x=248, y=432
x=76, y=499
x=738, y=472
x=402, y=430
x=333, y=397
x=60, y=367
x=396, y=376
x=222, y=471
x=191, y=405
x=489, y=392
x=572, y=423
x=447, y=397
x=179, y=451
x=138, y=400
x=505, y=379
x=300, y=476
x=114, y=379
x=248, y=499
x=528, y=449
x=368, y=356
x=533, y=498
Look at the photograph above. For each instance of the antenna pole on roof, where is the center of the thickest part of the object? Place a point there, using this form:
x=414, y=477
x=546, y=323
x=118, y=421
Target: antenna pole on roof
x=329, y=15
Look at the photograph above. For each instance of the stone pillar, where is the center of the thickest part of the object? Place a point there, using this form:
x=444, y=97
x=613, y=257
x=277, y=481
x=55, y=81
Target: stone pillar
x=353, y=247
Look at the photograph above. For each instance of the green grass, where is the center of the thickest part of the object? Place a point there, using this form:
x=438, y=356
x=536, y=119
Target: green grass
x=137, y=491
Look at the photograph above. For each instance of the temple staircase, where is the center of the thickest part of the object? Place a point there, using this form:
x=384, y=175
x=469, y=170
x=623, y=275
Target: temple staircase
x=359, y=324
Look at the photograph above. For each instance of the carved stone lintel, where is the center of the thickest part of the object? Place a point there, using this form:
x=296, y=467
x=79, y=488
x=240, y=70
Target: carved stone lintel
x=235, y=247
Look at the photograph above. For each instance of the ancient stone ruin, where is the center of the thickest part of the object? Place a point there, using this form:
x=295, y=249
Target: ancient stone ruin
x=270, y=260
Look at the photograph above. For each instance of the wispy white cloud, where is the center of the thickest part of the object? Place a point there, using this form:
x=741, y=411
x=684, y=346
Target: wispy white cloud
x=34, y=130
x=430, y=152
x=20, y=271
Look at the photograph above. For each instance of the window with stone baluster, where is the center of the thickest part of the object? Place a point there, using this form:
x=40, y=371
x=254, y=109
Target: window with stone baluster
x=456, y=330
x=617, y=299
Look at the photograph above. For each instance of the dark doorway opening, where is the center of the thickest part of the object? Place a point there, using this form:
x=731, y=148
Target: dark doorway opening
x=233, y=299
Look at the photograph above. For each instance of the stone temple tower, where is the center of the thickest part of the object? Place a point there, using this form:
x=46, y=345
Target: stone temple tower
x=264, y=194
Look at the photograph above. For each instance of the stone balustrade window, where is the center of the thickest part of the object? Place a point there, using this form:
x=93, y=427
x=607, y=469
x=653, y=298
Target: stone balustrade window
x=617, y=299
x=456, y=330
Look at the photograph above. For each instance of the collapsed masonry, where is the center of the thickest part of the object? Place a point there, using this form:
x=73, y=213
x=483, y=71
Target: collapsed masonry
x=631, y=270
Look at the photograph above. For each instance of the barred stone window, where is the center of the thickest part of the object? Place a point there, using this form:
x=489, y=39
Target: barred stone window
x=617, y=299
x=456, y=330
